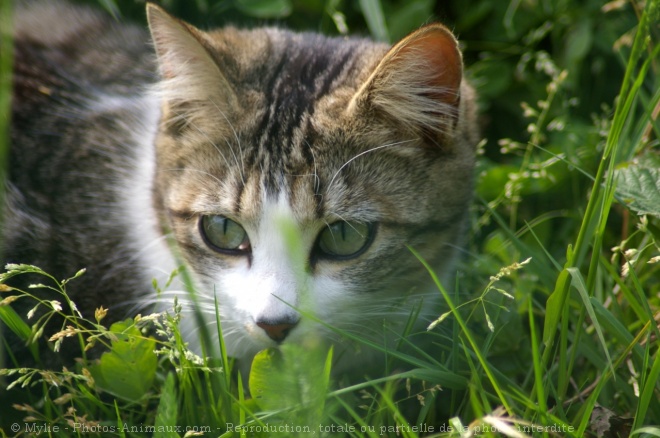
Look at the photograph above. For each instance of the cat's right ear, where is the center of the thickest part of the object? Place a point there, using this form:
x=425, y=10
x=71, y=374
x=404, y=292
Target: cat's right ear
x=188, y=71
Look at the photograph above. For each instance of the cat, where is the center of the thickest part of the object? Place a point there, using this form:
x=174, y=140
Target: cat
x=288, y=172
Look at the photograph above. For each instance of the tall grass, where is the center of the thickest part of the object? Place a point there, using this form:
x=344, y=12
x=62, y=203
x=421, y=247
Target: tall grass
x=553, y=333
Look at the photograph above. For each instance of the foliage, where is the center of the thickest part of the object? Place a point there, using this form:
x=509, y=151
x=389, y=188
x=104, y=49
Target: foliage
x=562, y=341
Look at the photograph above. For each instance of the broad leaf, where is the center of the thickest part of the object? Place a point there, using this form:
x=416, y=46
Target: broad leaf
x=291, y=376
x=639, y=188
x=128, y=369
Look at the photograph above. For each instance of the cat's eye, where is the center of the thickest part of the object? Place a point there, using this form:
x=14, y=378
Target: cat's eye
x=224, y=235
x=344, y=240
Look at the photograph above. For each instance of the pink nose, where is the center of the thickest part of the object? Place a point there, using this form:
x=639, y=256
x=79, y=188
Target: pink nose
x=277, y=332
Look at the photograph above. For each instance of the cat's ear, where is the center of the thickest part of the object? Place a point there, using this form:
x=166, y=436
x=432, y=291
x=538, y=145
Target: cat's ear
x=188, y=71
x=418, y=82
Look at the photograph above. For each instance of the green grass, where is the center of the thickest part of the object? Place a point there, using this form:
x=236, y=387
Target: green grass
x=554, y=330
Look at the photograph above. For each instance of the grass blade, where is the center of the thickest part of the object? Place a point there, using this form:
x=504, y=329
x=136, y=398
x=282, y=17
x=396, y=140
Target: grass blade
x=578, y=283
x=538, y=370
x=466, y=333
x=166, y=415
x=649, y=389
x=373, y=14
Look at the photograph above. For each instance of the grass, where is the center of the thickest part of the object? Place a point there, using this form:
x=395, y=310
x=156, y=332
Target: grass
x=553, y=333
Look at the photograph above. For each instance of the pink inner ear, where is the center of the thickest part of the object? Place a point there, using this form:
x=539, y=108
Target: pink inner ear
x=434, y=47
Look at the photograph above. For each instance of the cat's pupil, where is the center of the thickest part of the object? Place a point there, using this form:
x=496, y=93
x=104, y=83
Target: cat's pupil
x=343, y=239
x=223, y=234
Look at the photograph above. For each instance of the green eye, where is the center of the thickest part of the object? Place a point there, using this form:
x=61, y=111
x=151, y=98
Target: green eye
x=341, y=240
x=224, y=235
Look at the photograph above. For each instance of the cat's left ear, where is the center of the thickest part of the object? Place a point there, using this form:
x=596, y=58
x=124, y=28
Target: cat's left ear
x=417, y=83
x=188, y=71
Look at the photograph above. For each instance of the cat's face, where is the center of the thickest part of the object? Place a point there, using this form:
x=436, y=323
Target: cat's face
x=294, y=170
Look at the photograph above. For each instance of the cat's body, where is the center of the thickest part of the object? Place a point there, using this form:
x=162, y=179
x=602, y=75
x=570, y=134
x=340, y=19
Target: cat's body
x=360, y=150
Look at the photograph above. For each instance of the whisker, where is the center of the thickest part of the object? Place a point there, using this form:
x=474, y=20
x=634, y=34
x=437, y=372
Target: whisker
x=317, y=183
x=217, y=148
x=332, y=180
x=203, y=172
x=238, y=143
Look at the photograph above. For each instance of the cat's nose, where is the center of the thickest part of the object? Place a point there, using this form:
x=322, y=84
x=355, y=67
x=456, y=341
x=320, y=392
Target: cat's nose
x=277, y=330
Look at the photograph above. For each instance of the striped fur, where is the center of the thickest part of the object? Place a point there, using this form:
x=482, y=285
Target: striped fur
x=269, y=128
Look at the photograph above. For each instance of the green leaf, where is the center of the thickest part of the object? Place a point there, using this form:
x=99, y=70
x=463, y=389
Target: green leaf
x=437, y=377
x=578, y=41
x=290, y=376
x=120, y=424
x=639, y=188
x=166, y=416
x=577, y=281
x=615, y=329
x=265, y=8
x=408, y=17
x=648, y=390
x=16, y=324
x=129, y=368
x=111, y=7
x=651, y=430
x=553, y=308
x=373, y=14
x=269, y=387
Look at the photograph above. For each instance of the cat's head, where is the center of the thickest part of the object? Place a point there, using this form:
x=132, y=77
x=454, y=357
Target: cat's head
x=294, y=170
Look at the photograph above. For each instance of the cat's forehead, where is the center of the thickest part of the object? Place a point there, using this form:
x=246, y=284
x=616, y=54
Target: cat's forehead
x=279, y=60
x=333, y=125
x=282, y=79
x=314, y=187
x=295, y=83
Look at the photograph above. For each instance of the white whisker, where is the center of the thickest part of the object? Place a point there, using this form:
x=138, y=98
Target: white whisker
x=241, y=165
x=332, y=180
x=217, y=148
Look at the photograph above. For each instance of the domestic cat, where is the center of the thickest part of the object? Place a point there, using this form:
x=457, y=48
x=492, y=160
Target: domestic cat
x=214, y=149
